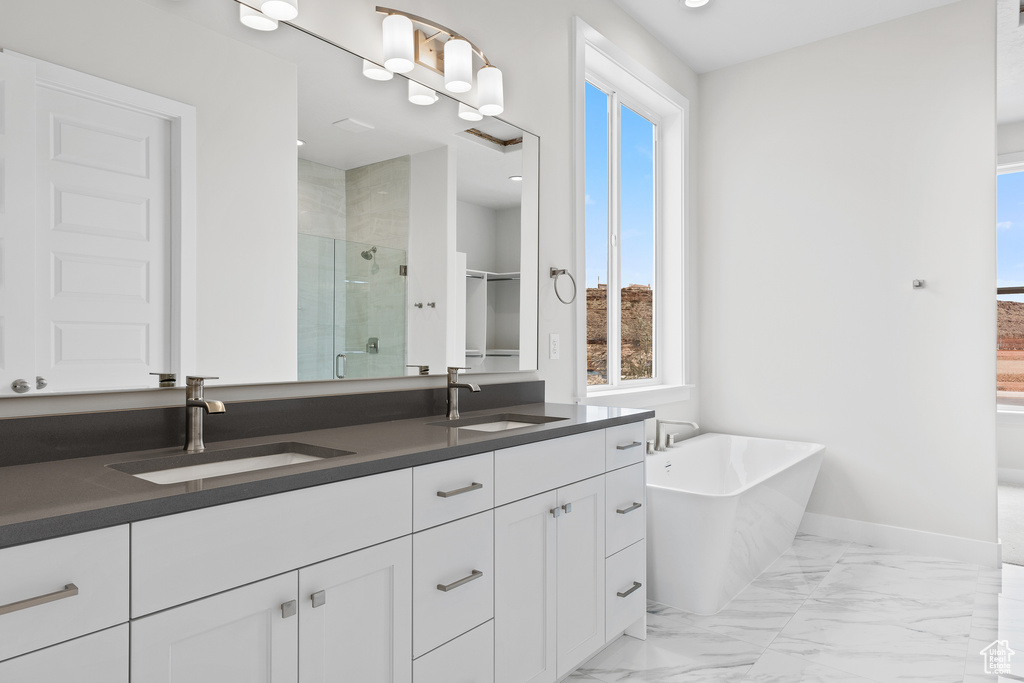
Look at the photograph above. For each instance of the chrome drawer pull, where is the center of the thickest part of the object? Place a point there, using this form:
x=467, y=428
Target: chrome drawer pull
x=70, y=590
x=626, y=511
x=455, y=492
x=319, y=598
x=289, y=609
x=626, y=447
x=636, y=584
x=461, y=582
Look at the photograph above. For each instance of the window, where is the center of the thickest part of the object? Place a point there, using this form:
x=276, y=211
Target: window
x=620, y=239
x=1010, y=283
x=630, y=228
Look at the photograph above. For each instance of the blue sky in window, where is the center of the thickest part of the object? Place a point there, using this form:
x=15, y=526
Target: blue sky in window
x=637, y=188
x=1010, y=233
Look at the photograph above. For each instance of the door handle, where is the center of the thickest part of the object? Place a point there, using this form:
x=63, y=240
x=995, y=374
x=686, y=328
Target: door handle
x=626, y=511
x=339, y=366
x=627, y=593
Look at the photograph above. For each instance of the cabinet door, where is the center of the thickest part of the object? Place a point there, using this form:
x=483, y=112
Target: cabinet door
x=580, y=572
x=355, y=617
x=246, y=634
x=97, y=658
x=524, y=590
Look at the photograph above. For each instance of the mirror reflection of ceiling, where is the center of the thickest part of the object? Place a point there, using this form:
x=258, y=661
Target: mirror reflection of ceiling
x=333, y=89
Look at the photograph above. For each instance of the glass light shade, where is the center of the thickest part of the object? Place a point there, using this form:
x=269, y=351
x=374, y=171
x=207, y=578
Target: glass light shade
x=468, y=113
x=398, y=45
x=253, y=18
x=458, y=65
x=492, y=92
x=421, y=94
x=696, y=3
x=377, y=73
x=280, y=9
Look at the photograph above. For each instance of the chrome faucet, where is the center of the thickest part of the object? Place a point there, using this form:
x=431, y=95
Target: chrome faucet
x=453, y=391
x=195, y=405
x=662, y=440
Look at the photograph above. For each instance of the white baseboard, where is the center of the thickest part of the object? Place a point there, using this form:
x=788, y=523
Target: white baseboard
x=1011, y=476
x=910, y=540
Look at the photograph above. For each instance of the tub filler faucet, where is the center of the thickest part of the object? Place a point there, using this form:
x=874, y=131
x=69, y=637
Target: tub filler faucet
x=195, y=406
x=453, y=391
x=663, y=440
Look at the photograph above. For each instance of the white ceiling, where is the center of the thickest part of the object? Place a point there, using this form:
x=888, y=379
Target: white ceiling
x=727, y=32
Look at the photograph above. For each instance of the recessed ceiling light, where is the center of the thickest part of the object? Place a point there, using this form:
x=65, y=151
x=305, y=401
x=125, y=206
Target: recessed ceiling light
x=300, y=143
x=696, y=3
x=516, y=178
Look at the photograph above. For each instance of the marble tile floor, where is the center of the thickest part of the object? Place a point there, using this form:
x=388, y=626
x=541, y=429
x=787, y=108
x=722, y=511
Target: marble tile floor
x=834, y=611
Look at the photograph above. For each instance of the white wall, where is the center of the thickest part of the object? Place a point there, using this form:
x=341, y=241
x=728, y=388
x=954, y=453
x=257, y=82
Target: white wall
x=475, y=235
x=246, y=199
x=831, y=176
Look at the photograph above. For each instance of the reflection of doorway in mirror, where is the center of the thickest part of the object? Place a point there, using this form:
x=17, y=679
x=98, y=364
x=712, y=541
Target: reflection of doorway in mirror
x=89, y=286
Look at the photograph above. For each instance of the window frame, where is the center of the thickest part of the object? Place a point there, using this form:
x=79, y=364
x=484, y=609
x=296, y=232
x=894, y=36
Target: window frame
x=608, y=68
x=617, y=98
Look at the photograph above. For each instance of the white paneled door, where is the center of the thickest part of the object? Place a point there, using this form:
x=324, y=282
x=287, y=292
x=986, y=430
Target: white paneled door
x=95, y=230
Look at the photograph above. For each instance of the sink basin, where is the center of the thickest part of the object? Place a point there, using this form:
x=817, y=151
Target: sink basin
x=175, y=469
x=497, y=423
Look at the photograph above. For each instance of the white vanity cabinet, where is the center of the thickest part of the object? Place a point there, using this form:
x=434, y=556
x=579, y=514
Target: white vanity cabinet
x=246, y=634
x=96, y=658
x=56, y=590
x=355, y=616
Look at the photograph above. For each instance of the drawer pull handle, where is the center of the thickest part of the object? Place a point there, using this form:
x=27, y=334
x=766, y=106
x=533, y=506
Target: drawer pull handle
x=627, y=446
x=457, y=492
x=319, y=598
x=568, y=508
x=289, y=609
x=626, y=511
x=461, y=582
x=556, y=512
x=70, y=590
x=636, y=585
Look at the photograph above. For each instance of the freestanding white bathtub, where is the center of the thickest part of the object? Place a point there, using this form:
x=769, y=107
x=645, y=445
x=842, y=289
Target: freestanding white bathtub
x=720, y=510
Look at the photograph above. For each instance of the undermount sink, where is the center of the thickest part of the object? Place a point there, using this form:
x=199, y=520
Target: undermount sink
x=497, y=423
x=175, y=469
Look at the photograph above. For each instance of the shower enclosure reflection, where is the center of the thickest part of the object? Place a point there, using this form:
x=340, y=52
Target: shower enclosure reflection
x=351, y=309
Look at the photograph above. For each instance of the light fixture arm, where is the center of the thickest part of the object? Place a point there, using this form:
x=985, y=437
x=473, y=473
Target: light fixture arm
x=437, y=27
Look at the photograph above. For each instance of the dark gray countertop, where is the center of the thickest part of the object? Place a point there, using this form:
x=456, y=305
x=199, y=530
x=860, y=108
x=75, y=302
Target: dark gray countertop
x=51, y=499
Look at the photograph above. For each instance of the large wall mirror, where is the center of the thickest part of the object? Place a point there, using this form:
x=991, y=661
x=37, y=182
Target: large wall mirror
x=158, y=214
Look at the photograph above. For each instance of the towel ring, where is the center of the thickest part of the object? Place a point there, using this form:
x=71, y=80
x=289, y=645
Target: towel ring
x=555, y=273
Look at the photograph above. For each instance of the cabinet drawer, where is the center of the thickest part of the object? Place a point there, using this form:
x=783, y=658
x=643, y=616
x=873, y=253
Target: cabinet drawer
x=625, y=506
x=523, y=471
x=467, y=659
x=624, y=445
x=625, y=600
x=467, y=484
x=193, y=554
x=450, y=556
x=97, y=658
x=84, y=579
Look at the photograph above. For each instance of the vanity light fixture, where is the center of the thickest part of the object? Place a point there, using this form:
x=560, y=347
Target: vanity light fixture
x=421, y=94
x=376, y=72
x=283, y=10
x=468, y=113
x=410, y=40
x=255, y=19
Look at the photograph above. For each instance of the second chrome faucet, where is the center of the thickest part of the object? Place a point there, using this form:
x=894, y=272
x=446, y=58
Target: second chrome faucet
x=453, y=391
